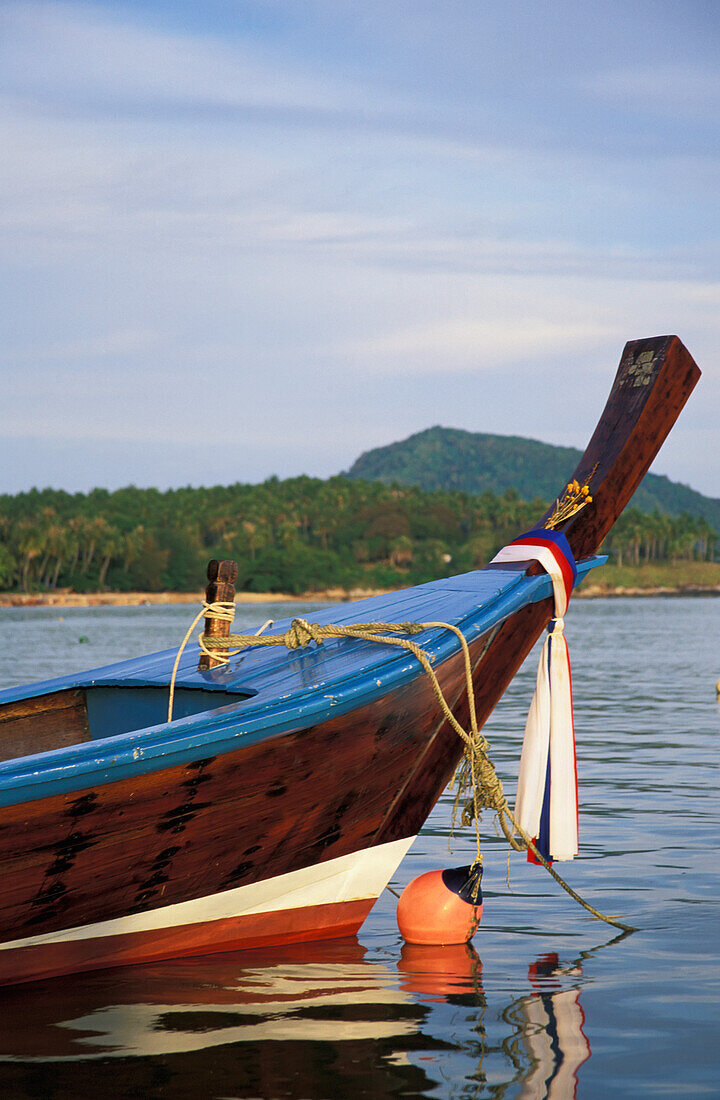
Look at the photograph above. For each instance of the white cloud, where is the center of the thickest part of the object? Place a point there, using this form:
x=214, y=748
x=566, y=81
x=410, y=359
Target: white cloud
x=671, y=89
x=76, y=188
x=76, y=56
x=76, y=50
x=118, y=342
x=473, y=345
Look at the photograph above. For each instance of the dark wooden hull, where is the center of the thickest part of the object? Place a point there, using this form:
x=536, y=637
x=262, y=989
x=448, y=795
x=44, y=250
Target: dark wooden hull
x=122, y=849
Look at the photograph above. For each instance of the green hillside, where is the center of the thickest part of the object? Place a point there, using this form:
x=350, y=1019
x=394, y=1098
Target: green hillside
x=477, y=462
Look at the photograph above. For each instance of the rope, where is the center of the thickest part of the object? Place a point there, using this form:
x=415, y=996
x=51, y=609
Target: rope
x=487, y=788
x=223, y=611
x=300, y=633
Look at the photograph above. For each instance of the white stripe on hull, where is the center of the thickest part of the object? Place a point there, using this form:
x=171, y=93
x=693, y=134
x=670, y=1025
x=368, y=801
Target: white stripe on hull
x=358, y=876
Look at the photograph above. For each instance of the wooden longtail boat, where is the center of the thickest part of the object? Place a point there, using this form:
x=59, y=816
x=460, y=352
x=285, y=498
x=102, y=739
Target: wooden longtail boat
x=280, y=799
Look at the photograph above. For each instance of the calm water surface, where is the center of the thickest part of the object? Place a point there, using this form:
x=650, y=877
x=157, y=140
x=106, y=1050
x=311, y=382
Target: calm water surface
x=547, y=1003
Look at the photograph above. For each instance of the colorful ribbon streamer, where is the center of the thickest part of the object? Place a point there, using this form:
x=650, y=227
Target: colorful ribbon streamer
x=546, y=805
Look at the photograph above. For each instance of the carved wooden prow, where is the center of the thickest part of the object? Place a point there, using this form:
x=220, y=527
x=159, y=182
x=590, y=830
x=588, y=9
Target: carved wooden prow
x=221, y=576
x=654, y=380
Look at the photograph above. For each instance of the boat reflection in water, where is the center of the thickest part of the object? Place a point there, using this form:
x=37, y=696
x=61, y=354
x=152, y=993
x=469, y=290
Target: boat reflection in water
x=323, y=1019
x=549, y=1027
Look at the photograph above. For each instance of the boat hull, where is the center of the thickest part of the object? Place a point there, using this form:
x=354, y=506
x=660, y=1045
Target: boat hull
x=327, y=901
x=285, y=840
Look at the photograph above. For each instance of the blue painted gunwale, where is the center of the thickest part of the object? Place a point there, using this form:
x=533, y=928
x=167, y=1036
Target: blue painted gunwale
x=279, y=692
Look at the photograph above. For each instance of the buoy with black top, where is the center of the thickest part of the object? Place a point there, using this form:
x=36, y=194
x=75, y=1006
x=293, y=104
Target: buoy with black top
x=441, y=907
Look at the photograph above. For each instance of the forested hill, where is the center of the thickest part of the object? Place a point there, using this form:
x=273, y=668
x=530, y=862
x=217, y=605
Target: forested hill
x=476, y=462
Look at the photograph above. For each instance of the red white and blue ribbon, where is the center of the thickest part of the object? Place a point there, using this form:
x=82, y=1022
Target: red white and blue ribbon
x=546, y=805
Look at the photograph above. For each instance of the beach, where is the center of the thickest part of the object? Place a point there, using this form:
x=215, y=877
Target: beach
x=144, y=599
x=599, y=590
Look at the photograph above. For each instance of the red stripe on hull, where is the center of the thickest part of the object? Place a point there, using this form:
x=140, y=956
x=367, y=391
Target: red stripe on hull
x=311, y=922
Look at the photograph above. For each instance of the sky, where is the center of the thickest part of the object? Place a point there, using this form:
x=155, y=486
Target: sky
x=247, y=238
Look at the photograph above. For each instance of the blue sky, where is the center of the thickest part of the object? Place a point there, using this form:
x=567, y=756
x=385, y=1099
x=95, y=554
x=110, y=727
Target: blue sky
x=250, y=238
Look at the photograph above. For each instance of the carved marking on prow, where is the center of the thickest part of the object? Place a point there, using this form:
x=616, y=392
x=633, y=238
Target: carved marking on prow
x=637, y=370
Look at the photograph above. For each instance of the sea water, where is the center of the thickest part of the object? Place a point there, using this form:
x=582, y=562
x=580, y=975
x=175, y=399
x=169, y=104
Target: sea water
x=547, y=1002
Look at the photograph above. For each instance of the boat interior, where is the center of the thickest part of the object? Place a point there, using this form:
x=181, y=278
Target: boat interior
x=78, y=715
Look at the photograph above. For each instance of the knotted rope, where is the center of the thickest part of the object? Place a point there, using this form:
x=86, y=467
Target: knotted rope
x=487, y=788
x=224, y=612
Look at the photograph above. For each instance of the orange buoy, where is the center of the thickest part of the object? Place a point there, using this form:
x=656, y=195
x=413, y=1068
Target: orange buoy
x=441, y=907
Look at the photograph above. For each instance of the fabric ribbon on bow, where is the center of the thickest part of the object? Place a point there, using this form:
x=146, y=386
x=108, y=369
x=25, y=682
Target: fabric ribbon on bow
x=546, y=805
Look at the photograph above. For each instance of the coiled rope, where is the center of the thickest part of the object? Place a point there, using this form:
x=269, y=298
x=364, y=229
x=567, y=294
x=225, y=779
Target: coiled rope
x=477, y=769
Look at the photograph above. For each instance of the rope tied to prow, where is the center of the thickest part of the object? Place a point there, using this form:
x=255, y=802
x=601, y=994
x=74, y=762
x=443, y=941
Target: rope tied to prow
x=224, y=612
x=301, y=633
x=476, y=772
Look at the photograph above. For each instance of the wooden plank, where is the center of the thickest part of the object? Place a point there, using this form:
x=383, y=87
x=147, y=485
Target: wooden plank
x=43, y=723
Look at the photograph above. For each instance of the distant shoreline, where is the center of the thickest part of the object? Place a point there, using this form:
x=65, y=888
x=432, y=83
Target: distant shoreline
x=609, y=591
x=140, y=599
x=329, y=595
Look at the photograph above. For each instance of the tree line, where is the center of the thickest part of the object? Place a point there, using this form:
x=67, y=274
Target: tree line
x=297, y=535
